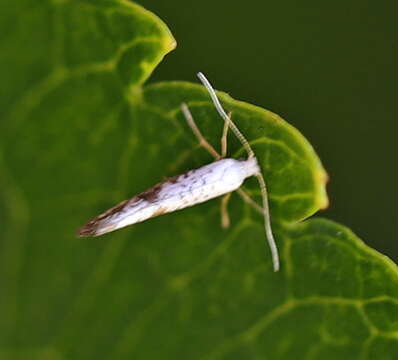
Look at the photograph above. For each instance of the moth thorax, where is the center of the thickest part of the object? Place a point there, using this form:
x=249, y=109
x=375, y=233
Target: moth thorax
x=250, y=166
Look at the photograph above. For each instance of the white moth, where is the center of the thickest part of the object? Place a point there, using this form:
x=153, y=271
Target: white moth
x=221, y=177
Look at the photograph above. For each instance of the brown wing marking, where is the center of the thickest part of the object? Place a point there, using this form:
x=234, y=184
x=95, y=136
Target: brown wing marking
x=91, y=228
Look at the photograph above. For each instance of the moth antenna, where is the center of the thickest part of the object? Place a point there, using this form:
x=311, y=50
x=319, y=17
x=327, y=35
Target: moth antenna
x=224, y=115
x=259, y=176
x=267, y=222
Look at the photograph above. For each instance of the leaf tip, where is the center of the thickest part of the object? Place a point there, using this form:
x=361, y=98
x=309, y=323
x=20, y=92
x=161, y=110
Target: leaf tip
x=172, y=43
x=322, y=178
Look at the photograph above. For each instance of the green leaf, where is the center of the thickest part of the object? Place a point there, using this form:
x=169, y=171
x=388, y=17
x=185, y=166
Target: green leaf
x=79, y=134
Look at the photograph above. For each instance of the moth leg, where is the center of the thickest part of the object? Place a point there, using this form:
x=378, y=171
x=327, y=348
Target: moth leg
x=225, y=222
x=224, y=138
x=248, y=200
x=202, y=141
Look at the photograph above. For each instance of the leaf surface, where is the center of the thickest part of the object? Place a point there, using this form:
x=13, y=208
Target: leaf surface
x=80, y=133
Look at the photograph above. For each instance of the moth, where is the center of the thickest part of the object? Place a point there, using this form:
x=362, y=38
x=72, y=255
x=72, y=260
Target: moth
x=221, y=177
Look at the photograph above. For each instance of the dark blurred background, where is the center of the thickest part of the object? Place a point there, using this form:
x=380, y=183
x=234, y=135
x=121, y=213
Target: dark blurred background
x=328, y=68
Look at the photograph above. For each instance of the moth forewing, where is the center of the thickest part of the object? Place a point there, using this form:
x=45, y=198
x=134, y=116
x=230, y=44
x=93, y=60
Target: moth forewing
x=188, y=189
